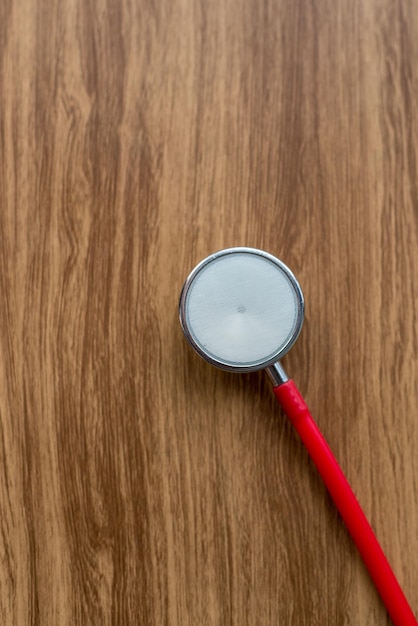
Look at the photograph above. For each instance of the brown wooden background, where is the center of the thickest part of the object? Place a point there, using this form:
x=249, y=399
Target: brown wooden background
x=138, y=485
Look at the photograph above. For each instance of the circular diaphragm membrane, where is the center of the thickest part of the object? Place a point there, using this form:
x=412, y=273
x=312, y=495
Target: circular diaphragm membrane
x=241, y=309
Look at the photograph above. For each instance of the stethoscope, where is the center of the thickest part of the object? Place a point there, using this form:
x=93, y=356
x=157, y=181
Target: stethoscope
x=242, y=310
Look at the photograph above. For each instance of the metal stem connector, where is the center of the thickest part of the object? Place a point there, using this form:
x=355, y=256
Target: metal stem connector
x=277, y=374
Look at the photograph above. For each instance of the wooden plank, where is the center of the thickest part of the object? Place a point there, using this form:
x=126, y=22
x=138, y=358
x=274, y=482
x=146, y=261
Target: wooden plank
x=139, y=485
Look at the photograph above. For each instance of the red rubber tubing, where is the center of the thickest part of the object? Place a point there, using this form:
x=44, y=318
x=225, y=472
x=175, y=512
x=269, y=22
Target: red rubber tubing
x=372, y=554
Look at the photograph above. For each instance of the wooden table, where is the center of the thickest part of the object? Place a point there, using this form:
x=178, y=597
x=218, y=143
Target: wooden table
x=139, y=485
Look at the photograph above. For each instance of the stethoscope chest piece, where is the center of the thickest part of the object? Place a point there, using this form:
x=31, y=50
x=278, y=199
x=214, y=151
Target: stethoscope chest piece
x=241, y=309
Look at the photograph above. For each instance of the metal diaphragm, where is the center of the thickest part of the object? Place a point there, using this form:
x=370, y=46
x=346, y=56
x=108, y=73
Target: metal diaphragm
x=241, y=309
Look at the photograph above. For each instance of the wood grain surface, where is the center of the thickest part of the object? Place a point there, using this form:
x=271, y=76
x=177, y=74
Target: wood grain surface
x=139, y=485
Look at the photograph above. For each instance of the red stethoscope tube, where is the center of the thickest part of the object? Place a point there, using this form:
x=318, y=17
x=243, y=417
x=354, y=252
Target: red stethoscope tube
x=372, y=554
